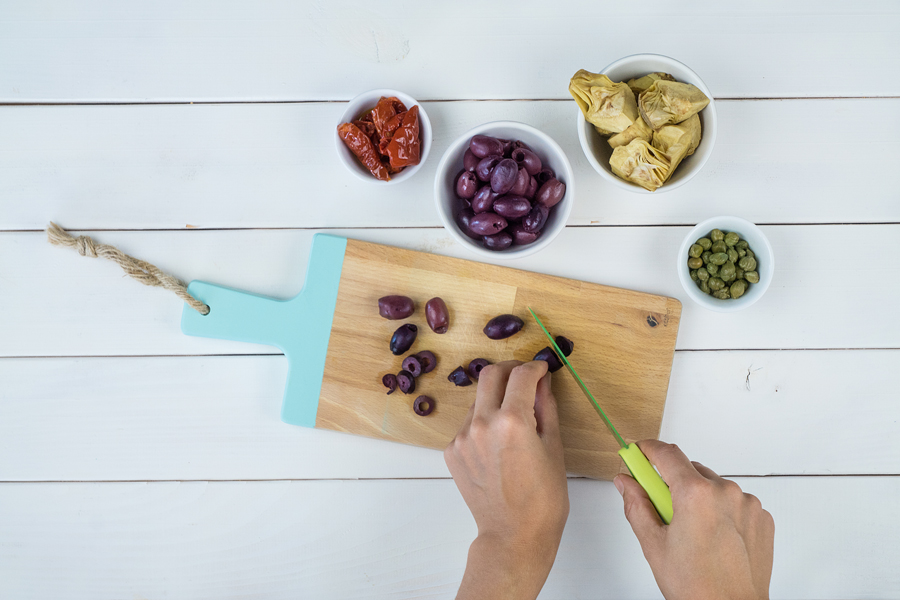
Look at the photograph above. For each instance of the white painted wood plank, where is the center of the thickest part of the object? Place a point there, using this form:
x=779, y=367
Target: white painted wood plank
x=395, y=539
x=58, y=303
x=281, y=50
x=217, y=418
x=274, y=165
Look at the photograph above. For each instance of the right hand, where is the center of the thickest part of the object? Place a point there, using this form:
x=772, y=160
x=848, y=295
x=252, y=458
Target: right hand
x=719, y=544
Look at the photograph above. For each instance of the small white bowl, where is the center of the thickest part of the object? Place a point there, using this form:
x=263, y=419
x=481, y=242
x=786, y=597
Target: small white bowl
x=360, y=105
x=543, y=145
x=758, y=242
x=596, y=148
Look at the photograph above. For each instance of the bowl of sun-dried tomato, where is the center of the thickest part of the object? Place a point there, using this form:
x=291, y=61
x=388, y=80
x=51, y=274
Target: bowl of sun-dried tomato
x=384, y=136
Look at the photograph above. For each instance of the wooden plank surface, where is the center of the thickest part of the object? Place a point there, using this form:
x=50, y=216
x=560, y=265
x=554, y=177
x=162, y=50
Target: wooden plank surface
x=624, y=342
x=65, y=304
x=274, y=165
x=280, y=50
x=394, y=539
x=216, y=418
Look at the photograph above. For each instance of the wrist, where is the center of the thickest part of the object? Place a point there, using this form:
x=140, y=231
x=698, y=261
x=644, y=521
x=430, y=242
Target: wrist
x=515, y=566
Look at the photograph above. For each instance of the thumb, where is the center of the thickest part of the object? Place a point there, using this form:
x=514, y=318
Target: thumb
x=644, y=520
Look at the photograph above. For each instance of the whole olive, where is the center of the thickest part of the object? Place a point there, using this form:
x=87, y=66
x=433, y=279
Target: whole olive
x=523, y=180
x=498, y=241
x=522, y=236
x=527, y=159
x=536, y=219
x=463, y=218
x=732, y=254
x=551, y=193
x=403, y=338
x=705, y=243
x=751, y=276
x=395, y=307
x=428, y=360
x=487, y=223
x=695, y=263
x=459, y=377
x=545, y=175
x=486, y=165
x=532, y=188
x=731, y=238
x=719, y=258
x=712, y=269
x=716, y=235
x=503, y=177
x=483, y=145
x=437, y=315
x=715, y=284
x=470, y=161
x=702, y=274
x=503, y=326
x=565, y=344
x=695, y=251
x=466, y=184
x=738, y=288
x=549, y=356
x=483, y=200
x=475, y=367
x=748, y=264
x=718, y=247
x=512, y=207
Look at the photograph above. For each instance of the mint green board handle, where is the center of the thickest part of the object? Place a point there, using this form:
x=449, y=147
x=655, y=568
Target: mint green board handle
x=300, y=327
x=644, y=473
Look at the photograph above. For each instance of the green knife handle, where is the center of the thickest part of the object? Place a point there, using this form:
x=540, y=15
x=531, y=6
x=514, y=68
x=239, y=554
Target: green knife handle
x=646, y=475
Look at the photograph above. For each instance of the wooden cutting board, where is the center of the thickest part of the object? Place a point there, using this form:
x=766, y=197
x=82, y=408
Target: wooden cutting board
x=337, y=345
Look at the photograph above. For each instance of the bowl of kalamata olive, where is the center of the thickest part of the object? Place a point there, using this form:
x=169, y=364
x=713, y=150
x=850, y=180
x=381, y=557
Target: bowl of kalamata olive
x=504, y=189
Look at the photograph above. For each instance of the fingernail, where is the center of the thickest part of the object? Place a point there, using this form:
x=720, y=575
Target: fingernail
x=619, y=484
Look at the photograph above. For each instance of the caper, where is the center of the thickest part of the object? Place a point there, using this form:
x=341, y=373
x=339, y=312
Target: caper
x=741, y=252
x=719, y=258
x=705, y=242
x=726, y=271
x=732, y=255
x=715, y=284
x=750, y=253
x=704, y=287
x=742, y=245
x=747, y=263
x=722, y=294
x=751, y=276
x=702, y=274
x=705, y=256
x=712, y=269
x=738, y=273
x=695, y=250
x=695, y=263
x=716, y=235
x=738, y=288
x=694, y=275
x=718, y=247
x=731, y=238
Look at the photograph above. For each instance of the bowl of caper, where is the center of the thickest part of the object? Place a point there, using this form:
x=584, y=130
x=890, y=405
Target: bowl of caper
x=725, y=263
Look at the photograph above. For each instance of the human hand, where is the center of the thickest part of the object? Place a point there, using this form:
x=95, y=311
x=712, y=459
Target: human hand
x=507, y=461
x=719, y=544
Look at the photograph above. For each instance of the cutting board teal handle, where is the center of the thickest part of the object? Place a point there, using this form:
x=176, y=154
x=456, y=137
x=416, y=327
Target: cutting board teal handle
x=300, y=327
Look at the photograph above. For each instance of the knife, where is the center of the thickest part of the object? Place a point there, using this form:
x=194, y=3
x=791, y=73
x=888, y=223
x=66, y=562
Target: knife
x=637, y=463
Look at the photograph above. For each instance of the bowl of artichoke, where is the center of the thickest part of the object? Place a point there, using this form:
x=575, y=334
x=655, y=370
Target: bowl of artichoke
x=646, y=123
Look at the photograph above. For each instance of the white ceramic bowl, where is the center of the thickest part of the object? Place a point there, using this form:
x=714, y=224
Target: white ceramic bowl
x=596, y=148
x=355, y=109
x=761, y=247
x=543, y=145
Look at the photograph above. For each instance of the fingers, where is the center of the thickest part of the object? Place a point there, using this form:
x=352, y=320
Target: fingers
x=669, y=460
x=521, y=390
x=545, y=410
x=639, y=511
x=491, y=387
x=706, y=471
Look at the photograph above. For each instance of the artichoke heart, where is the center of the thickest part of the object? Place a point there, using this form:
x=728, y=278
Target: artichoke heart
x=639, y=85
x=677, y=141
x=667, y=102
x=610, y=107
x=641, y=163
x=639, y=130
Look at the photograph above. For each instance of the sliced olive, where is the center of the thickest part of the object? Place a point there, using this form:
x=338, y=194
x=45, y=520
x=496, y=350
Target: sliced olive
x=476, y=366
x=423, y=406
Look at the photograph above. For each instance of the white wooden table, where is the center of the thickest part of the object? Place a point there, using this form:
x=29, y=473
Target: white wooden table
x=140, y=463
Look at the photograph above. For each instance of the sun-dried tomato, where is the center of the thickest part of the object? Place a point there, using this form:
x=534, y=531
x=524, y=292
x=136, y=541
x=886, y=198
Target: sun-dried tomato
x=368, y=128
x=360, y=144
x=404, y=147
x=383, y=111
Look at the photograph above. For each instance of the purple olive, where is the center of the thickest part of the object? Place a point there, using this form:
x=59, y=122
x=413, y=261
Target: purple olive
x=527, y=159
x=437, y=315
x=503, y=326
x=536, y=219
x=459, y=377
x=428, y=360
x=463, y=218
x=486, y=165
x=476, y=366
x=487, y=223
x=512, y=207
x=484, y=145
x=503, y=177
x=523, y=237
x=551, y=193
x=498, y=241
x=403, y=338
x=507, y=147
x=520, y=144
x=466, y=184
x=565, y=344
x=406, y=381
x=390, y=382
x=469, y=161
x=545, y=175
x=464, y=203
x=423, y=406
x=532, y=189
x=395, y=307
x=413, y=365
x=547, y=354
x=523, y=179
x=484, y=199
